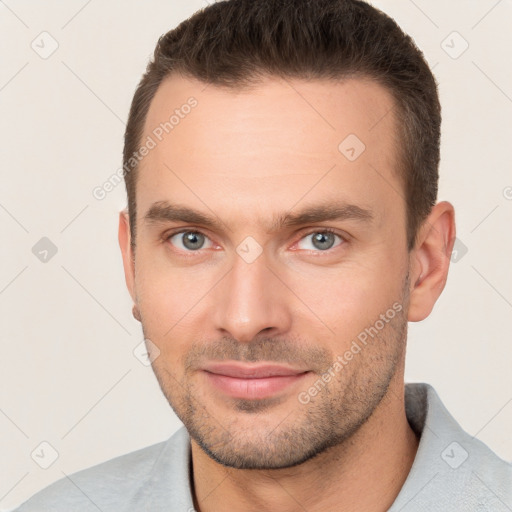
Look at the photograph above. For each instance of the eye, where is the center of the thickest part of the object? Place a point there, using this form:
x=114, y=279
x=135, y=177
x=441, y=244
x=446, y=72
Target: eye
x=320, y=241
x=190, y=240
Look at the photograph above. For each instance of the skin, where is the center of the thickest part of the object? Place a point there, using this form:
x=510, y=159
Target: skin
x=245, y=158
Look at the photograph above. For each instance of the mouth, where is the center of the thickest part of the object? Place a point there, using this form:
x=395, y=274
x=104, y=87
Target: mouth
x=252, y=381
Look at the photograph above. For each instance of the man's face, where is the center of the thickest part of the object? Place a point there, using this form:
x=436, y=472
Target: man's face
x=251, y=310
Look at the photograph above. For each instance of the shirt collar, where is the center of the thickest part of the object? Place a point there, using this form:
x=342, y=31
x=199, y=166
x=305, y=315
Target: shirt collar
x=439, y=469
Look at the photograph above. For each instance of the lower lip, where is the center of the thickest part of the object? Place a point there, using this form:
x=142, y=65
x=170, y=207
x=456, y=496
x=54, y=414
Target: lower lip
x=253, y=389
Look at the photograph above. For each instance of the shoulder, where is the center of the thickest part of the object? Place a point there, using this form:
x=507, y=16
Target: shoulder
x=452, y=470
x=105, y=486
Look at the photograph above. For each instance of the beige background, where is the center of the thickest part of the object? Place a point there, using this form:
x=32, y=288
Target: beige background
x=68, y=373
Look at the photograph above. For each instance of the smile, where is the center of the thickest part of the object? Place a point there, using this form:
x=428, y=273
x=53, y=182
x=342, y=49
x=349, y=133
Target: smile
x=252, y=382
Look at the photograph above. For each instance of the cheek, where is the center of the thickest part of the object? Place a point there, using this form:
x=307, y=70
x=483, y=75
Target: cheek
x=346, y=296
x=353, y=295
x=168, y=296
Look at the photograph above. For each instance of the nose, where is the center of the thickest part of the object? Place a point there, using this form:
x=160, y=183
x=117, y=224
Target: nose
x=252, y=301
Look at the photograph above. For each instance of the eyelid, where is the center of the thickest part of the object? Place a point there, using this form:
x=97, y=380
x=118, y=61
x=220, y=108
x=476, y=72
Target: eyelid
x=169, y=234
x=322, y=229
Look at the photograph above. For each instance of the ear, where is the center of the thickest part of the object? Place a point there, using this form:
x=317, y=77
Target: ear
x=430, y=260
x=124, y=238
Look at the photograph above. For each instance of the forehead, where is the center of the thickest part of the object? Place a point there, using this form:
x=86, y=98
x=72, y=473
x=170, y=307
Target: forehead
x=270, y=146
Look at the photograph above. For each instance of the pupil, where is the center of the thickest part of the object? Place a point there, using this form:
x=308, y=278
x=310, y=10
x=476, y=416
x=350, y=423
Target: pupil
x=323, y=240
x=193, y=240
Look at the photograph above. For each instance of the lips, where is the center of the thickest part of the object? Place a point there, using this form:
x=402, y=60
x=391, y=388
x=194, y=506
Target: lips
x=252, y=381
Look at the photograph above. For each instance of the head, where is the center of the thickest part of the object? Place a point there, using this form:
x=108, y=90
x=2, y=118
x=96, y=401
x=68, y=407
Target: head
x=281, y=165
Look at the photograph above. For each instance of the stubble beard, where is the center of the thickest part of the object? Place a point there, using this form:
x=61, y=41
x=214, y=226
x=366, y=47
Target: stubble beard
x=329, y=419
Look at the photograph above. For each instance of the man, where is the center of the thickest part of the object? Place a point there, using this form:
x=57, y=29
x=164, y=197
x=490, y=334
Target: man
x=281, y=164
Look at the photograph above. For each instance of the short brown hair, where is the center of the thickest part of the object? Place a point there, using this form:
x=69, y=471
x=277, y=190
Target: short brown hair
x=235, y=43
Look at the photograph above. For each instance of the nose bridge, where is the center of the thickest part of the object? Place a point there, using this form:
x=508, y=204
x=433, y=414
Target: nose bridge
x=251, y=300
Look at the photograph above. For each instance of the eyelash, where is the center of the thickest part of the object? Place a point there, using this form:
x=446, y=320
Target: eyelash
x=343, y=238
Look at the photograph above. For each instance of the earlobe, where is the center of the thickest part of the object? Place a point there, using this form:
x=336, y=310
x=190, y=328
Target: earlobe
x=124, y=238
x=136, y=313
x=430, y=260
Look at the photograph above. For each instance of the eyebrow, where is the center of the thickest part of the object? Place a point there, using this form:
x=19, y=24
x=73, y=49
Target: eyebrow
x=163, y=211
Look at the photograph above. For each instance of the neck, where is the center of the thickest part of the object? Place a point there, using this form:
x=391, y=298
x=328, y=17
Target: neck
x=364, y=473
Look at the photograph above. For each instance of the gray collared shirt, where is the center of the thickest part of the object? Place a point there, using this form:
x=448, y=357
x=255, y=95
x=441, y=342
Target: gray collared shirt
x=452, y=471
